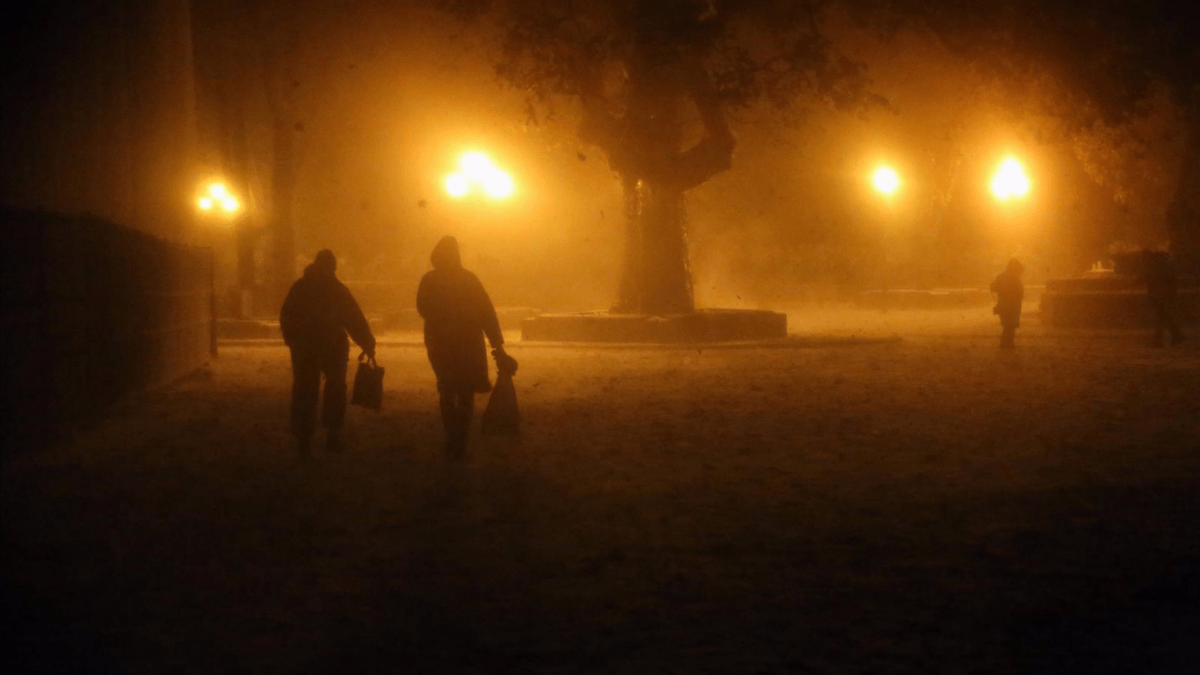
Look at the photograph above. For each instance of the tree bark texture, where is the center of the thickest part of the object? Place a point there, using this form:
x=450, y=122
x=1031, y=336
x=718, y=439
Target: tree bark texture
x=645, y=148
x=656, y=278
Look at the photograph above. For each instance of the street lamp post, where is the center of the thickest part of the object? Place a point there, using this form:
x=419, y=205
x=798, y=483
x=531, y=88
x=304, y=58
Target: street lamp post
x=1009, y=185
x=1010, y=181
x=219, y=205
x=477, y=174
x=217, y=200
x=886, y=182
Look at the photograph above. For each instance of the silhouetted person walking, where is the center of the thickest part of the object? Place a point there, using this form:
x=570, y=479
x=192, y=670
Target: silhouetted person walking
x=458, y=314
x=1162, y=290
x=1010, y=291
x=315, y=317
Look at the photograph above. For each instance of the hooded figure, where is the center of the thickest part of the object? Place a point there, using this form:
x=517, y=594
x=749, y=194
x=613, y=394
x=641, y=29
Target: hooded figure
x=1162, y=289
x=314, y=319
x=1010, y=291
x=458, y=314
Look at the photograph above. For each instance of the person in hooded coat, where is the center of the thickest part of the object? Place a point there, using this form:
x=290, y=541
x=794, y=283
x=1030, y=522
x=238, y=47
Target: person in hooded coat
x=1162, y=290
x=316, y=315
x=1010, y=291
x=458, y=314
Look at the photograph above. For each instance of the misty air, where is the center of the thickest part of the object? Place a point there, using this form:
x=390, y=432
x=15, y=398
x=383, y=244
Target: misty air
x=625, y=336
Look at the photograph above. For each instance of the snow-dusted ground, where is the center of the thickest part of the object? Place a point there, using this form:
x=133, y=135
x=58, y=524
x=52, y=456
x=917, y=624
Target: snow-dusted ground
x=923, y=505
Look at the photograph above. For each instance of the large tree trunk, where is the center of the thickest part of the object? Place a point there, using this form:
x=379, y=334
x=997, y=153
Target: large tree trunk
x=645, y=149
x=655, y=278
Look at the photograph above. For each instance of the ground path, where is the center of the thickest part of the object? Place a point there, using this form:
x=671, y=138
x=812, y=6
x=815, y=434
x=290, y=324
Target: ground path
x=926, y=505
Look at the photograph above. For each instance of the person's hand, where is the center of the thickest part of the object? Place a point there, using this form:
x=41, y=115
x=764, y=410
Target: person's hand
x=504, y=362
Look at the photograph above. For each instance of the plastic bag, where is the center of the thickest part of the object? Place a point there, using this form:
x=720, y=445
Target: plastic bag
x=368, y=384
x=502, y=417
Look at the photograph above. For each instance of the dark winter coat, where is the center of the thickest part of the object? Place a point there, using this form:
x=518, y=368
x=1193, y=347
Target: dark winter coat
x=1161, y=283
x=458, y=314
x=1010, y=291
x=318, y=312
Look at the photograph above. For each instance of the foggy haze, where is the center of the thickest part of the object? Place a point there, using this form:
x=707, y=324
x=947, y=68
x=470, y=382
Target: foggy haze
x=390, y=110
x=384, y=97
x=705, y=377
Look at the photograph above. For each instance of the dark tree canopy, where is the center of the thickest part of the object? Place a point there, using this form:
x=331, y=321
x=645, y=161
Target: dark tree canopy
x=1107, y=53
x=1080, y=62
x=1088, y=64
x=642, y=71
x=725, y=55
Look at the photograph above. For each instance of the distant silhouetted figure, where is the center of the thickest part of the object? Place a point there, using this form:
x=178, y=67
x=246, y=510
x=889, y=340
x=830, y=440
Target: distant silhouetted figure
x=1162, y=290
x=458, y=314
x=1010, y=291
x=315, y=317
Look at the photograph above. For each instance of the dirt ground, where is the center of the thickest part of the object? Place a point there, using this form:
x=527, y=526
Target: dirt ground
x=835, y=503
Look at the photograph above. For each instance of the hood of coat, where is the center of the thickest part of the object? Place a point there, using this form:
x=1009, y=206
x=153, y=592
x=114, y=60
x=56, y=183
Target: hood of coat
x=445, y=255
x=324, y=265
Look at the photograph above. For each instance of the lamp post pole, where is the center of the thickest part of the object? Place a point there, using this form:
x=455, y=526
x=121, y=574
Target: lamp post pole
x=886, y=182
x=477, y=174
x=1009, y=185
x=219, y=205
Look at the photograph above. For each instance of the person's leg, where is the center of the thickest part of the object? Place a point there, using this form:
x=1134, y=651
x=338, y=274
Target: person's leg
x=333, y=407
x=466, y=413
x=1172, y=320
x=1160, y=323
x=306, y=381
x=458, y=408
x=1007, y=335
x=446, y=404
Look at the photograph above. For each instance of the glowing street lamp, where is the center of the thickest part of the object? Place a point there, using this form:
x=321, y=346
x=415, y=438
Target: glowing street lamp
x=457, y=185
x=476, y=171
x=218, y=200
x=497, y=185
x=1010, y=181
x=885, y=180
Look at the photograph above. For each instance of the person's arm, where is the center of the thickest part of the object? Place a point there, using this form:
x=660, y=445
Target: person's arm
x=356, y=323
x=423, y=297
x=287, y=316
x=491, y=328
x=488, y=319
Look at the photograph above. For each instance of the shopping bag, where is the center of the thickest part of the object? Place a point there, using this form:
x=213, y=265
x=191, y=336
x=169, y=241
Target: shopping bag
x=502, y=418
x=368, y=383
